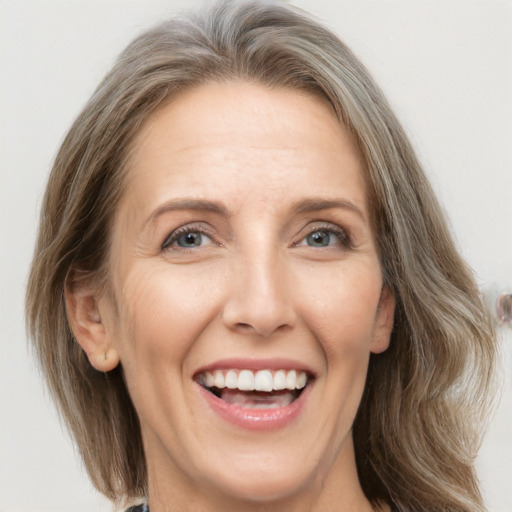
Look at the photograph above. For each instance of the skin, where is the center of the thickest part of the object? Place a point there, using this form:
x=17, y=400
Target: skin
x=254, y=287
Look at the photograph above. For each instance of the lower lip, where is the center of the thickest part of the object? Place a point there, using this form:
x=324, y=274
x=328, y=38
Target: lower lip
x=256, y=419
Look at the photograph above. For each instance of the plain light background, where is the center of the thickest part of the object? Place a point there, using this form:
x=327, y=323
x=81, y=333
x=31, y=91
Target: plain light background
x=446, y=66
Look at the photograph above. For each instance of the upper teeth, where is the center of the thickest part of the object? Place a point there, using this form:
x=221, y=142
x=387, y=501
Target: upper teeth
x=262, y=380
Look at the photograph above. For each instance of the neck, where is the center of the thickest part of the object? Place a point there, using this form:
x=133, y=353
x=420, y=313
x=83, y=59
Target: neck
x=338, y=491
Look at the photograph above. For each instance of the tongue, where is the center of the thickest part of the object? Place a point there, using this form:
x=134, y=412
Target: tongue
x=257, y=400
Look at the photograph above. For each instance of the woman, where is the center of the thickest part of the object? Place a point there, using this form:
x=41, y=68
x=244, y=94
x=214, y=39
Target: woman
x=244, y=295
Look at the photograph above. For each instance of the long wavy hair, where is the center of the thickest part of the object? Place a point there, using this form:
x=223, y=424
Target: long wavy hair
x=419, y=422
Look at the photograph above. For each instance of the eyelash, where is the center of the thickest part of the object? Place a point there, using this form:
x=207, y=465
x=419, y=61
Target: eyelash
x=184, y=230
x=340, y=233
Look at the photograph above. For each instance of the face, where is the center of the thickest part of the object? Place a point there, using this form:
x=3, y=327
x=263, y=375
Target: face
x=248, y=293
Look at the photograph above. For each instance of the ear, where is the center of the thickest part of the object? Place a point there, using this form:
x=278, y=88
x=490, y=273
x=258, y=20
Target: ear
x=384, y=321
x=85, y=320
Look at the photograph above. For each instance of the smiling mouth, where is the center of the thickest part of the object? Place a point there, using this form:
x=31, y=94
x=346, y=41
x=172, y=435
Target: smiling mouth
x=262, y=389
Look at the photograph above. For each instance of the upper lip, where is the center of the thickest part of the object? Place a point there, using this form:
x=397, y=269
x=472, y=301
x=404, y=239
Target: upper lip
x=275, y=363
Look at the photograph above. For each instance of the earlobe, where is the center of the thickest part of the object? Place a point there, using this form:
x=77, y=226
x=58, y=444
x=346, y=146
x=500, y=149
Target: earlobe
x=104, y=361
x=88, y=327
x=384, y=321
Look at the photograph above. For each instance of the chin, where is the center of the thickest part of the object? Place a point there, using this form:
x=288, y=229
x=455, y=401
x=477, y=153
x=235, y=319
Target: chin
x=262, y=486
x=264, y=479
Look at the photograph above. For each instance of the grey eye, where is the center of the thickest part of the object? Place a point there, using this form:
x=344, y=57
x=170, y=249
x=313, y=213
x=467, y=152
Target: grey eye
x=320, y=238
x=191, y=239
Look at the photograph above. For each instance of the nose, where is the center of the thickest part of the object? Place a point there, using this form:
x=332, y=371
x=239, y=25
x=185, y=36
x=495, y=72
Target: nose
x=260, y=300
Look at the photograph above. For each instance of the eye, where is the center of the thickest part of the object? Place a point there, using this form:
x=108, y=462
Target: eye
x=187, y=237
x=326, y=236
x=321, y=238
x=190, y=240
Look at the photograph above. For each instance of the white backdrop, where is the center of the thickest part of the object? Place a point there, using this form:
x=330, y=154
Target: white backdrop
x=446, y=66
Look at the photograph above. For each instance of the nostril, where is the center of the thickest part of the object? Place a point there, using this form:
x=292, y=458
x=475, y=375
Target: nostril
x=245, y=328
x=251, y=310
x=260, y=329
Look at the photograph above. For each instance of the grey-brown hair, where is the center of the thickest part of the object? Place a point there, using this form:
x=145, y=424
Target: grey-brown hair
x=419, y=421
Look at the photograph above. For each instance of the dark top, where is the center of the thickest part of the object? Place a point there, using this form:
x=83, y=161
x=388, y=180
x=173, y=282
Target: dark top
x=144, y=508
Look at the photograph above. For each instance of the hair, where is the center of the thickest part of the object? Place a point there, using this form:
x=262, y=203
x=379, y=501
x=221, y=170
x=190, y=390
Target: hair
x=420, y=420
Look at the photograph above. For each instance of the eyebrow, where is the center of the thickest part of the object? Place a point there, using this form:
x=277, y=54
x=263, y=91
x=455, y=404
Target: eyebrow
x=302, y=206
x=189, y=204
x=316, y=204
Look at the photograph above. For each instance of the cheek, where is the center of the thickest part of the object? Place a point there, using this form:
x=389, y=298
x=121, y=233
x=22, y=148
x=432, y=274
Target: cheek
x=163, y=312
x=339, y=305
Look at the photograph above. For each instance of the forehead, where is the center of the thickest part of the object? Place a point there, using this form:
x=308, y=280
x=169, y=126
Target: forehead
x=219, y=137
